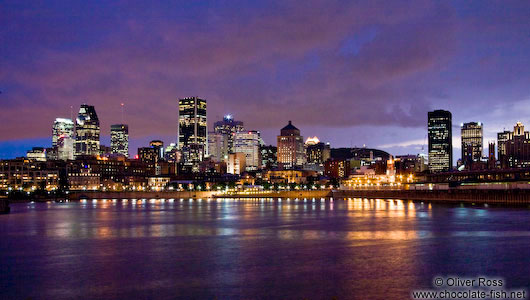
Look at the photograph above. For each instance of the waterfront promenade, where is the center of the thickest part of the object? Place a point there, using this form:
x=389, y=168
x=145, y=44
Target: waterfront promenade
x=477, y=196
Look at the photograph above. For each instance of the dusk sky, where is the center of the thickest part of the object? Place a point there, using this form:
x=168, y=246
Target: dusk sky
x=352, y=73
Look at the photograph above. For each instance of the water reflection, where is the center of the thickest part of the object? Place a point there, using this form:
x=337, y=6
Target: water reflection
x=232, y=248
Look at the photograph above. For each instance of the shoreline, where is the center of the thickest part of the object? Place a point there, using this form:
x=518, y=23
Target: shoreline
x=513, y=197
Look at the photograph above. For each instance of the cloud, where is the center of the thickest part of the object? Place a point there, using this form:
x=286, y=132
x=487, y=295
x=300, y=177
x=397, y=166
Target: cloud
x=264, y=62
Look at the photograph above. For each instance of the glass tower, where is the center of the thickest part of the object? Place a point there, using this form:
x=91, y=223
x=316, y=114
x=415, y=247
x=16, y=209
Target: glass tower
x=228, y=127
x=440, y=141
x=63, y=138
x=193, y=129
x=87, y=131
x=472, y=144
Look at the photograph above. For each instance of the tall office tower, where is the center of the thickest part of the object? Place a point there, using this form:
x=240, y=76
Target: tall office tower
x=502, y=138
x=516, y=148
x=291, y=147
x=471, y=143
x=317, y=152
x=159, y=147
x=440, y=141
x=87, y=131
x=63, y=138
x=119, y=139
x=193, y=133
x=217, y=146
x=491, y=155
x=228, y=127
x=269, y=157
x=248, y=142
x=171, y=153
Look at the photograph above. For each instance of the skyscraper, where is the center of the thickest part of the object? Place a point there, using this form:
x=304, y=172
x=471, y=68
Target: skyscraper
x=228, y=127
x=291, y=147
x=87, y=131
x=158, y=145
x=317, y=152
x=269, y=156
x=502, y=138
x=217, y=146
x=516, y=148
x=63, y=138
x=119, y=139
x=193, y=132
x=248, y=142
x=440, y=141
x=472, y=145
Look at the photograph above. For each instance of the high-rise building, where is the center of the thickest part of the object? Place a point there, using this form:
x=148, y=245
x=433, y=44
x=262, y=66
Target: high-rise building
x=516, y=148
x=291, y=147
x=317, y=152
x=236, y=163
x=248, y=142
x=193, y=133
x=158, y=145
x=471, y=143
x=217, y=146
x=491, y=155
x=228, y=127
x=440, y=141
x=269, y=157
x=119, y=139
x=63, y=138
x=171, y=153
x=87, y=131
x=502, y=138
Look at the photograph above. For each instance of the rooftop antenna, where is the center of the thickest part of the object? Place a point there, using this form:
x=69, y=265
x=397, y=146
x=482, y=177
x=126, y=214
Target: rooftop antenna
x=71, y=112
x=122, y=113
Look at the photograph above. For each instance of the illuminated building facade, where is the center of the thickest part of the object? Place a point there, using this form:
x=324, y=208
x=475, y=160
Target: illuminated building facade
x=236, y=163
x=440, y=141
x=472, y=144
x=516, y=148
x=317, y=152
x=502, y=138
x=36, y=154
x=337, y=168
x=269, y=157
x=63, y=138
x=228, y=127
x=87, y=132
x=409, y=164
x=291, y=151
x=193, y=133
x=119, y=139
x=217, y=146
x=159, y=148
x=27, y=175
x=248, y=143
x=171, y=153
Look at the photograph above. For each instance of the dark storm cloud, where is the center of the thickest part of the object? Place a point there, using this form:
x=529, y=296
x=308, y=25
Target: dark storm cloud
x=320, y=63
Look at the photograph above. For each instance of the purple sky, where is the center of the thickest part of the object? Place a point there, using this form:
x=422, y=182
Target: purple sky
x=362, y=73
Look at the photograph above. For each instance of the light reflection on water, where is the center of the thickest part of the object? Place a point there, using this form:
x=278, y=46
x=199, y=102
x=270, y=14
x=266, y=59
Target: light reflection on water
x=248, y=248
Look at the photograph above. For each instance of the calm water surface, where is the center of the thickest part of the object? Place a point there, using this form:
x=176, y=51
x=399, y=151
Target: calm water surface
x=254, y=249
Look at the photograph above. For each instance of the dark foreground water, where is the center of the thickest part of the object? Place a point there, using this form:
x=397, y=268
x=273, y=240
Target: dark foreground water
x=225, y=249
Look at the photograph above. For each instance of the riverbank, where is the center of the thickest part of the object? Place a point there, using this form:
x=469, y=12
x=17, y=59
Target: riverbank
x=501, y=196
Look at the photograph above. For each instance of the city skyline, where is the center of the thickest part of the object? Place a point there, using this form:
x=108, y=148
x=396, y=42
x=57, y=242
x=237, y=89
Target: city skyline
x=378, y=88
x=211, y=126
